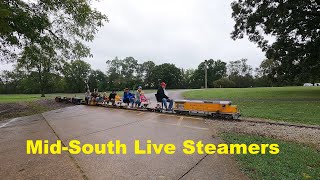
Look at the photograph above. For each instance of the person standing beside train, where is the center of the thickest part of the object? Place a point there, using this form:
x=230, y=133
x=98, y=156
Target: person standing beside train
x=162, y=94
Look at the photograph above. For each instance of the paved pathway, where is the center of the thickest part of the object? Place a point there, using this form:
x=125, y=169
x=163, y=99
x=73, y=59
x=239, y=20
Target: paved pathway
x=99, y=125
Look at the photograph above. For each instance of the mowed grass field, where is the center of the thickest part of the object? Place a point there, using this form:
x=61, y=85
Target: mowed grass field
x=291, y=104
x=294, y=161
x=15, y=98
x=17, y=105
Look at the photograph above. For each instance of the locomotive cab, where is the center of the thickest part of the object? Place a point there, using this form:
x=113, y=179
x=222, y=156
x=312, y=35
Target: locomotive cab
x=209, y=108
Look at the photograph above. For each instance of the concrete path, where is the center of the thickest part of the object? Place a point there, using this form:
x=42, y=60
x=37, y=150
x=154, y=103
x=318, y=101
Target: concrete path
x=16, y=164
x=100, y=125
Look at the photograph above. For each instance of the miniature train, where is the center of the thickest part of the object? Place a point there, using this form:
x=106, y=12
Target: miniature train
x=216, y=109
x=213, y=109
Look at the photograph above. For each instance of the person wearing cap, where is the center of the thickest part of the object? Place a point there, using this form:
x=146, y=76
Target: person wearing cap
x=138, y=93
x=128, y=97
x=162, y=94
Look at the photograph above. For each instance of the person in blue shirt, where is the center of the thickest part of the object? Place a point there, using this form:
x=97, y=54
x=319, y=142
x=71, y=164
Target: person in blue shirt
x=128, y=97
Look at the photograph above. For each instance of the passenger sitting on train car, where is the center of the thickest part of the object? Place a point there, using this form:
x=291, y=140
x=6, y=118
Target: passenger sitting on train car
x=112, y=97
x=118, y=98
x=95, y=93
x=137, y=97
x=87, y=96
x=162, y=94
x=105, y=97
x=143, y=99
x=93, y=96
x=99, y=98
x=128, y=97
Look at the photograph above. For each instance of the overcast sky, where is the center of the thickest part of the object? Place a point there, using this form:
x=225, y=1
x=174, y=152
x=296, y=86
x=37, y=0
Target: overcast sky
x=183, y=32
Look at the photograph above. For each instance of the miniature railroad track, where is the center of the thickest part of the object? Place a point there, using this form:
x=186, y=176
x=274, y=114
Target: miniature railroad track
x=270, y=123
x=200, y=115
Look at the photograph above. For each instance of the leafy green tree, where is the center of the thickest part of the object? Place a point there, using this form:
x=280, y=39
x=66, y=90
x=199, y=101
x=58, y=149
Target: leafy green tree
x=2, y=86
x=40, y=61
x=27, y=83
x=58, y=83
x=20, y=81
x=295, y=25
x=215, y=70
x=42, y=34
x=121, y=73
x=76, y=75
x=224, y=83
x=114, y=79
x=97, y=79
x=168, y=73
x=240, y=73
x=129, y=67
x=12, y=81
x=266, y=74
x=127, y=72
x=146, y=72
x=187, y=78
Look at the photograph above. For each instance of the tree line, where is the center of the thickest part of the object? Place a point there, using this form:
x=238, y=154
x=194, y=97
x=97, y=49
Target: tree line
x=76, y=76
x=294, y=52
x=46, y=40
x=40, y=36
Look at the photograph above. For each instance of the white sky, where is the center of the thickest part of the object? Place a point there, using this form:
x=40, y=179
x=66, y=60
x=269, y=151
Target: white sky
x=183, y=32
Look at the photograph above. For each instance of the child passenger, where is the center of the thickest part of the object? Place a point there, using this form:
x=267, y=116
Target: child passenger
x=143, y=98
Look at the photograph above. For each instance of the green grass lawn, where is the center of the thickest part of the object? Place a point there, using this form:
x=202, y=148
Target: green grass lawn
x=293, y=162
x=13, y=98
x=16, y=105
x=292, y=104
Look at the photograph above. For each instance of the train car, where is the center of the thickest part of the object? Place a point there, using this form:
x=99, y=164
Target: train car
x=92, y=102
x=216, y=109
x=74, y=100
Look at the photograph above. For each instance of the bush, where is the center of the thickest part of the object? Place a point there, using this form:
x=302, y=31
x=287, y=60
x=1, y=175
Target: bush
x=224, y=83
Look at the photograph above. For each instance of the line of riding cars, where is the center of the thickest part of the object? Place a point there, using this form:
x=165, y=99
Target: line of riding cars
x=213, y=109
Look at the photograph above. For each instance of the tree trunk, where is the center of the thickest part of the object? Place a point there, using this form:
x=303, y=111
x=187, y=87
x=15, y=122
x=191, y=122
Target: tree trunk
x=42, y=90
